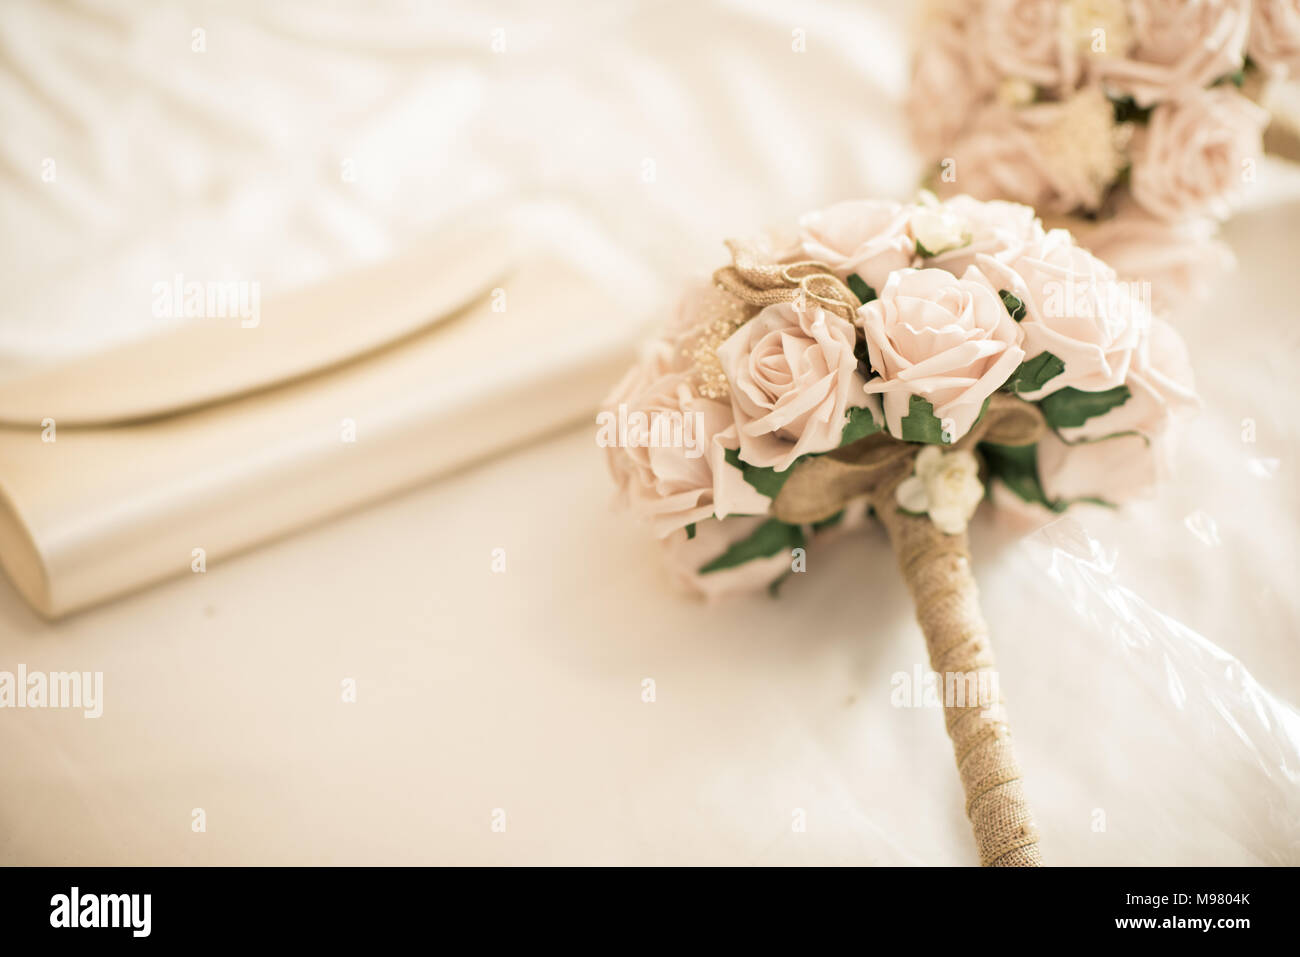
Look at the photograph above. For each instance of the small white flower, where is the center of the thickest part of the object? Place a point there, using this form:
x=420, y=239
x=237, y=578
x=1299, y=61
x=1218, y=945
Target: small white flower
x=936, y=228
x=944, y=484
x=1085, y=147
x=1016, y=91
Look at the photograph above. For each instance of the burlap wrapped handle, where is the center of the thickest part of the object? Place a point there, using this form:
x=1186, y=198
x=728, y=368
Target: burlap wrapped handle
x=937, y=570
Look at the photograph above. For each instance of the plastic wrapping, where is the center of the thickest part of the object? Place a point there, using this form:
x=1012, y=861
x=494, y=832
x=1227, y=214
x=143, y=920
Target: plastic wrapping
x=1180, y=755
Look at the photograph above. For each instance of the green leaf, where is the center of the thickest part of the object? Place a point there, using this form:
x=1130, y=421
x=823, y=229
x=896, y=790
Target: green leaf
x=766, y=480
x=860, y=288
x=1013, y=304
x=1127, y=110
x=1093, y=500
x=1017, y=466
x=861, y=353
x=690, y=530
x=1237, y=79
x=920, y=424
x=1071, y=407
x=829, y=522
x=768, y=539
x=1033, y=374
x=922, y=251
x=860, y=424
x=1092, y=440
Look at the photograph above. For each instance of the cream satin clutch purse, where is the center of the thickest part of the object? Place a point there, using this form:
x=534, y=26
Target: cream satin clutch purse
x=160, y=456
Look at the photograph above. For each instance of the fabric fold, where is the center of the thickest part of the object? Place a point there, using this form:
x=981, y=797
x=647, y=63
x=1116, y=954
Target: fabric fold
x=92, y=511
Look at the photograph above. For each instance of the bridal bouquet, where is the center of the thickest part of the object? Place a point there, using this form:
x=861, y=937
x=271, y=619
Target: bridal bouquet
x=1133, y=117
x=896, y=359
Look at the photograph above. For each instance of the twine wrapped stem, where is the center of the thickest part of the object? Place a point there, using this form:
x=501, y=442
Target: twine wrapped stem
x=937, y=570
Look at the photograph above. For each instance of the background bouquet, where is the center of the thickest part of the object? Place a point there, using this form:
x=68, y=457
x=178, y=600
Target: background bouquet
x=1134, y=118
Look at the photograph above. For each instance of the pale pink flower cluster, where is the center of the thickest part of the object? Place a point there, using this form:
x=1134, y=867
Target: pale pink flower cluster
x=1114, y=110
x=962, y=299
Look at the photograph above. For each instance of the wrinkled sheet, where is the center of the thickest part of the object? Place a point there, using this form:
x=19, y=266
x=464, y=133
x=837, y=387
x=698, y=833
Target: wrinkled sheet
x=523, y=691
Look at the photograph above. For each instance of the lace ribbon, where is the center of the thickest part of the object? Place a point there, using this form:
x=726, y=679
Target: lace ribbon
x=757, y=282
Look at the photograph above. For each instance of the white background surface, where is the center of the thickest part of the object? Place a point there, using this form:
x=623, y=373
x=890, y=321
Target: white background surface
x=522, y=690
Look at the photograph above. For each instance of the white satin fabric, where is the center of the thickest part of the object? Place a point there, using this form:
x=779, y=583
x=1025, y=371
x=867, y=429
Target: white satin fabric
x=308, y=138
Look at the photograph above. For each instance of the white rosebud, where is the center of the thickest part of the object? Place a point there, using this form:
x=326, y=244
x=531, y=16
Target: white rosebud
x=944, y=484
x=937, y=229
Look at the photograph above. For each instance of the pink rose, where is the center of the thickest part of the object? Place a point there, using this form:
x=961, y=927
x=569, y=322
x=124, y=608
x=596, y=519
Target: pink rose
x=1190, y=157
x=1161, y=387
x=1126, y=451
x=1076, y=308
x=1178, y=46
x=1275, y=37
x=1115, y=470
x=656, y=358
x=858, y=236
x=947, y=83
x=948, y=340
x=685, y=556
x=793, y=378
x=1181, y=260
x=666, y=449
x=702, y=302
x=1027, y=39
x=999, y=157
x=995, y=228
